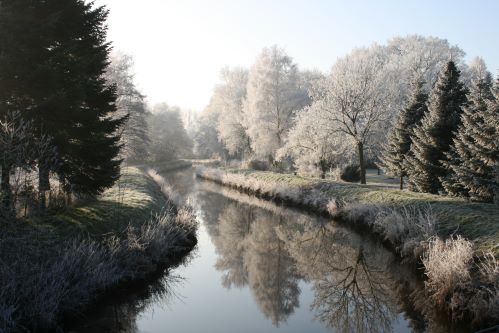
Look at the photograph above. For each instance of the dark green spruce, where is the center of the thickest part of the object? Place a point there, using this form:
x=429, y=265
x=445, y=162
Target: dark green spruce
x=53, y=56
x=89, y=159
x=474, y=156
x=433, y=137
x=400, y=140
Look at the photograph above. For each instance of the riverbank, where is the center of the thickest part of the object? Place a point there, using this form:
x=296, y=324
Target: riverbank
x=455, y=241
x=54, y=266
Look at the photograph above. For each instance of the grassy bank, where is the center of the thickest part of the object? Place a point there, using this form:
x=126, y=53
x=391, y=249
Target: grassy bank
x=56, y=265
x=455, y=241
x=474, y=221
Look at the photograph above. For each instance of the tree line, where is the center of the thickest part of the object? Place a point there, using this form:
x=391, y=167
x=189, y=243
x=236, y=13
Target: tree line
x=70, y=113
x=410, y=107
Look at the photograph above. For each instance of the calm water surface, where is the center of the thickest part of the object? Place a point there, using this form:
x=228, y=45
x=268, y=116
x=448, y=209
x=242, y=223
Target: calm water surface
x=259, y=267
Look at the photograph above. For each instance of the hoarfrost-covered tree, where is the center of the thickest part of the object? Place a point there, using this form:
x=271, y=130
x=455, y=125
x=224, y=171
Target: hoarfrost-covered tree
x=130, y=102
x=274, y=95
x=433, y=138
x=231, y=93
x=400, y=139
x=206, y=142
x=168, y=135
x=474, y=156
x=421, y=58
x=354, y=98
x=314, y=143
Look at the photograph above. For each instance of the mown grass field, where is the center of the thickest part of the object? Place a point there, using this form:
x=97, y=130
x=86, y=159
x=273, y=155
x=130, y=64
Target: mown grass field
x=478, y=222
x=133, y=199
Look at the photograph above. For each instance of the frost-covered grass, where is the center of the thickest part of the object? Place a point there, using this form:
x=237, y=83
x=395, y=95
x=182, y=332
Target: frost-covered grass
x=135, y=196
x=474, y=221
x=458, y=281
x=58, y=265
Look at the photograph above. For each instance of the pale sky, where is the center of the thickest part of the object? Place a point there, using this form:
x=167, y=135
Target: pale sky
x=179, y=46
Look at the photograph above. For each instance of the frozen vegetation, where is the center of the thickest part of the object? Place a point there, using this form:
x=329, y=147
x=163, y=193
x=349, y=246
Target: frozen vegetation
x=45, y=274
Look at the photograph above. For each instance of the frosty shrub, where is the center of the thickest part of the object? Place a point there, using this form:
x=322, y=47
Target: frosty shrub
x=447, y=267
x=43, y=283
x=406, y=228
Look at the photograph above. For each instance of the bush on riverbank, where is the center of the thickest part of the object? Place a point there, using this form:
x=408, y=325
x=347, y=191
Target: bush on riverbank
x=46, y=272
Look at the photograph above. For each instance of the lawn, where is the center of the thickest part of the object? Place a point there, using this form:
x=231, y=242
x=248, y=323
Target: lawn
x=132, y=199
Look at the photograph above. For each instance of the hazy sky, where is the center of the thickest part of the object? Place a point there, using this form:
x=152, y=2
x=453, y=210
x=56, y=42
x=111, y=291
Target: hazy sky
x=180, y=46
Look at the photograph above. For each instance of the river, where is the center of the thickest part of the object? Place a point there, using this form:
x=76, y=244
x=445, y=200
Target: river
x=259, y=267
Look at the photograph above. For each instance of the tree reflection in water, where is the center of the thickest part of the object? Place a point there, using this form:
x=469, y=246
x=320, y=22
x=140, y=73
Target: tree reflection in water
x=251, y=253
x=353, y=292
x=272, y=252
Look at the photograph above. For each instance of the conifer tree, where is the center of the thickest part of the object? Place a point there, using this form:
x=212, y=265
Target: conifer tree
x=474, y=155
x=53, y=56
x=492, y=118
x=400, y=140
x=433, y=137
x=89, y=159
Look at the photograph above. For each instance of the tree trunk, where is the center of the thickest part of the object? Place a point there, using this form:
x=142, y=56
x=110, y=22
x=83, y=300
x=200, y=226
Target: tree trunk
x=401, y=182
x=43, y=184
x=362, y=163
x=5, y=187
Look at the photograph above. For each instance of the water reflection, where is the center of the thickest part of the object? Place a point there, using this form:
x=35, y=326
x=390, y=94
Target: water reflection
x=251, y=254
x=302, y=272
x=272, y=252
x=351, y=286
x=122, y=314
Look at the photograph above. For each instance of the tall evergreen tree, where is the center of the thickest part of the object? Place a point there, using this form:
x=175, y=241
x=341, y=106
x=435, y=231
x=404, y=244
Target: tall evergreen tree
x=53, y=56
x=433, y=137
x=400, y=140
x=492, y=118
x=474, y=156
x=89, y=158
